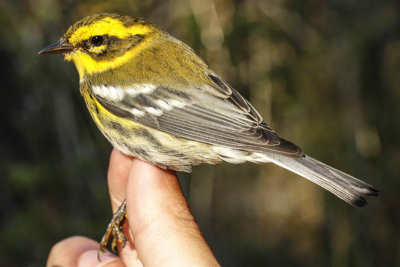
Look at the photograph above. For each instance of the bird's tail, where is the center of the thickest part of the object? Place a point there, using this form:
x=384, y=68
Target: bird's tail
x=345, y=186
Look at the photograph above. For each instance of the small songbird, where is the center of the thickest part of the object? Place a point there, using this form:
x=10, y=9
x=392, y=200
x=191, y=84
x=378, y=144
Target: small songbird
x=154, y=99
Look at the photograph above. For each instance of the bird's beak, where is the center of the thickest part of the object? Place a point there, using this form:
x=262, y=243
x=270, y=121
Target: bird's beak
x=61, y=47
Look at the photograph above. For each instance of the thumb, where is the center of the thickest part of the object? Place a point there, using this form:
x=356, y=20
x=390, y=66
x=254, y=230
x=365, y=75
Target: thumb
x=164, y=231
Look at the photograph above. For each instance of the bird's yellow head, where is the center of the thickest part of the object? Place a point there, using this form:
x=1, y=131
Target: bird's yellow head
x=101, y=42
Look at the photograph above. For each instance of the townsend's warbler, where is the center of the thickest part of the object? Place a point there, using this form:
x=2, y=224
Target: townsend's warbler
x=153, y=98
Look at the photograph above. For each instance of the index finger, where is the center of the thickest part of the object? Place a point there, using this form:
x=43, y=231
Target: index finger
x=118, y=172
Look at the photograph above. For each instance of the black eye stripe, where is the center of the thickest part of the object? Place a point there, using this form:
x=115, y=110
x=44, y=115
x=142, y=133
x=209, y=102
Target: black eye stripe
x=114, y=46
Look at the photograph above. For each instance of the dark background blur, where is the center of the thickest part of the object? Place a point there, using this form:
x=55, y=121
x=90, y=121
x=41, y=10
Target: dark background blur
x=324, y=74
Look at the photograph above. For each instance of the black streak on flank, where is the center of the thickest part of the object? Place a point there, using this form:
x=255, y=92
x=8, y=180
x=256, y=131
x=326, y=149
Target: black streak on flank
x=116, y=126
x=140, y=152
x=147, y=135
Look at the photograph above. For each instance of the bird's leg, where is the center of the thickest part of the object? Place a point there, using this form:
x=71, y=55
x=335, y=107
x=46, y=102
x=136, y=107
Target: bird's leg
x=114, y=231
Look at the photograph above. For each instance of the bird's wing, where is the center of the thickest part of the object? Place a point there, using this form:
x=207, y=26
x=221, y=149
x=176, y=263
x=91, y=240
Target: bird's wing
x=214, y=114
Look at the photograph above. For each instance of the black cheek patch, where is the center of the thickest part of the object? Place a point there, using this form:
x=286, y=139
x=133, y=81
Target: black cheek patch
x=115, y=47
x=112, y=40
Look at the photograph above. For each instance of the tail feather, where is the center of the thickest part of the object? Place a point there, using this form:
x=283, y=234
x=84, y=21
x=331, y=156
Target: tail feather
x=346, y=187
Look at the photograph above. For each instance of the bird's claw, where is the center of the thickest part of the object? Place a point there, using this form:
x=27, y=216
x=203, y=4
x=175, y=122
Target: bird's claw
x=114, y=231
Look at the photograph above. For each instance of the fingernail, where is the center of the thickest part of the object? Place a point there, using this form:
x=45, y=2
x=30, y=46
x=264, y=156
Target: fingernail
x=89, y=258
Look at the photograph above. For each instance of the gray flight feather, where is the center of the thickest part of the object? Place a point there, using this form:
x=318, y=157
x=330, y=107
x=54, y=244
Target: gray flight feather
x=346, y=187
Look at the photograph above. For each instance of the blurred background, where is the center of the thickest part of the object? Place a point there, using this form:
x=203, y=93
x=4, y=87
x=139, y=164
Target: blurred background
x=324, y=74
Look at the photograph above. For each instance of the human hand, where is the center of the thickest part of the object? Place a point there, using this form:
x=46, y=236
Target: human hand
x=161, y=230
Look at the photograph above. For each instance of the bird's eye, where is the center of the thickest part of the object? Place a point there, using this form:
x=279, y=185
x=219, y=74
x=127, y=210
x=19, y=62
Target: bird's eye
x=97, y=40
